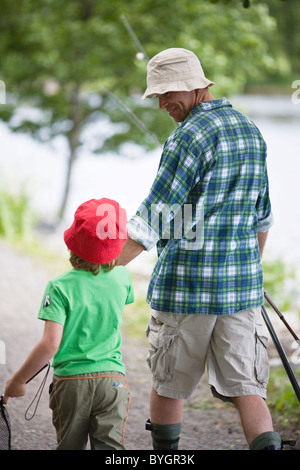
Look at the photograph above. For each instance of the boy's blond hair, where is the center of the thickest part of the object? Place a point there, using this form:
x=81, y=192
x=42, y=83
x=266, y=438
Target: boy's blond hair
x=79, y=263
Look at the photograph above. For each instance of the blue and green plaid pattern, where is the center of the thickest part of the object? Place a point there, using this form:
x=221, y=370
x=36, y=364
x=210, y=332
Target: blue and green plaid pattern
x=216, y=159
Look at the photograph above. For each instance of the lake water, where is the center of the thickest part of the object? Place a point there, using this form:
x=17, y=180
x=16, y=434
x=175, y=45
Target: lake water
x=41, y=170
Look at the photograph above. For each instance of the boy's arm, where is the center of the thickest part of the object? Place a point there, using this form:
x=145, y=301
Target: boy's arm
x=39, y=356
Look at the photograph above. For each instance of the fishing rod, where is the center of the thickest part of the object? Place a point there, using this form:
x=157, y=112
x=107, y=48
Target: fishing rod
x=278, y=345
x=133, y=116
x=281, y=353
x=281, y=317
x=141, y=53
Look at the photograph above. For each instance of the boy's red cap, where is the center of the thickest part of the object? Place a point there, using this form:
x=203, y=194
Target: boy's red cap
x=98, y=232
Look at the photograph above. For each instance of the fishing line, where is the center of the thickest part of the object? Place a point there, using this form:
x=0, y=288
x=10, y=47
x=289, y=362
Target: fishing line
x=132, y=115
x=141, y=53
x=39, y=391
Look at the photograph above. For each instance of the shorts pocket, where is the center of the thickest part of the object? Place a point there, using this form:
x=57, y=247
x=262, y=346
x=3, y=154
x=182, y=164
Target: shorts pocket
x=161, y=357
x=261, y=359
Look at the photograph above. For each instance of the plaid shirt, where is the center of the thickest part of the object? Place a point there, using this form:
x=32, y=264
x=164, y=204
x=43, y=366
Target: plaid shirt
x=215, y=164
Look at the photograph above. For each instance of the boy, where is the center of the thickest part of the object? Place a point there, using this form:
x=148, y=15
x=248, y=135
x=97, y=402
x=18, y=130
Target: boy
x=82, y=310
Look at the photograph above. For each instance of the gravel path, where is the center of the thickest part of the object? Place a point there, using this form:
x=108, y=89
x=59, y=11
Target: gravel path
x=22, y=281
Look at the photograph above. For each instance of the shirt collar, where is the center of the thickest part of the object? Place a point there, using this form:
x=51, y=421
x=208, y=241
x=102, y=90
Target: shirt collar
x=209, y=105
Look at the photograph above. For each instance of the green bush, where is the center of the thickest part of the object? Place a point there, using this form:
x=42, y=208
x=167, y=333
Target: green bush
x=280, y=283
x=16, y=217
x=282, y=399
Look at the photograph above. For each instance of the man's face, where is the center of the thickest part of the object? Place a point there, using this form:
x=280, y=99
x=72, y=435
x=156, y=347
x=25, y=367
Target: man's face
x=177, y=103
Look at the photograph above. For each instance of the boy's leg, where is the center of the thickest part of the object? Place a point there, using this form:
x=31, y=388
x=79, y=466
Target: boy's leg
x=90, y=405
x=109, y=413
x=70, y=414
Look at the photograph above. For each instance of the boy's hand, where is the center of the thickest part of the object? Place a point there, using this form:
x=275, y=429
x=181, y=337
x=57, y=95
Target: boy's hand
x=14, y=389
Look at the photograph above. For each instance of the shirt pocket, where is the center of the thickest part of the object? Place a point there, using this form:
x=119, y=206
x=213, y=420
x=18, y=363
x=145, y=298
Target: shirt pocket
x=261, y=359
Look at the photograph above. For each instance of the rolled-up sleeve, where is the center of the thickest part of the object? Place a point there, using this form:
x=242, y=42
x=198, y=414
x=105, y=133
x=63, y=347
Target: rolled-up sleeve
x=141, y=232
x=263, y=206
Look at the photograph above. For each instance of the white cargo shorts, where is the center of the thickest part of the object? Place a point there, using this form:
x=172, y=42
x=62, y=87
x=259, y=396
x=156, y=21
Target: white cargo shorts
x=232, y=347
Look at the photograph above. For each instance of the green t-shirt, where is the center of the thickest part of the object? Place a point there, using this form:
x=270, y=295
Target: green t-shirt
x=90, y=309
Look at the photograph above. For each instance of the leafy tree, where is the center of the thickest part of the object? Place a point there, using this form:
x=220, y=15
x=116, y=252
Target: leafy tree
x=75, y=63
x=285, y=44
x=287, y=13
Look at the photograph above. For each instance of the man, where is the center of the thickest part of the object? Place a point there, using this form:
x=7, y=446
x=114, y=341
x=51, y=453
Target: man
x=206, y=288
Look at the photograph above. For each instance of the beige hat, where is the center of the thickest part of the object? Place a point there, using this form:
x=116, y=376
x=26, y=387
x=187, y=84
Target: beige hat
x=174, y=69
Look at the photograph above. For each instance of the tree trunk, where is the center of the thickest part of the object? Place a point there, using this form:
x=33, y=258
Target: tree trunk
x=73, y=141
x=66, y=192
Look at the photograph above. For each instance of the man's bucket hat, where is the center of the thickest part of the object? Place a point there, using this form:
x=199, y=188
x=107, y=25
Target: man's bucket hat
x=98, y=232
x=174, y=69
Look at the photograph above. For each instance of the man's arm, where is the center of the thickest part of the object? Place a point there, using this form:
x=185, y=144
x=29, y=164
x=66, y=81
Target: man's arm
x=262, y=238
x=131, y=250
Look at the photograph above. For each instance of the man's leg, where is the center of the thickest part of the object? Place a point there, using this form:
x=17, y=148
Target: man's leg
x=238, y=363
x=165, y=410
x=166, y=418
x=257, y=422
x=177, y=363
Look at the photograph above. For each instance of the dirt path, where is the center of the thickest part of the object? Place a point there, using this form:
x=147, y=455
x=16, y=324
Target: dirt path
x=22, y=282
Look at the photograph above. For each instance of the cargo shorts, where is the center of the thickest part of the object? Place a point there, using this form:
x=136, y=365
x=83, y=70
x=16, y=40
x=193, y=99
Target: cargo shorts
x=233, y=348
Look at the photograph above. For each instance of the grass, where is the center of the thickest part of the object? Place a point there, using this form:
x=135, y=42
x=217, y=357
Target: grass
x=282, y=400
